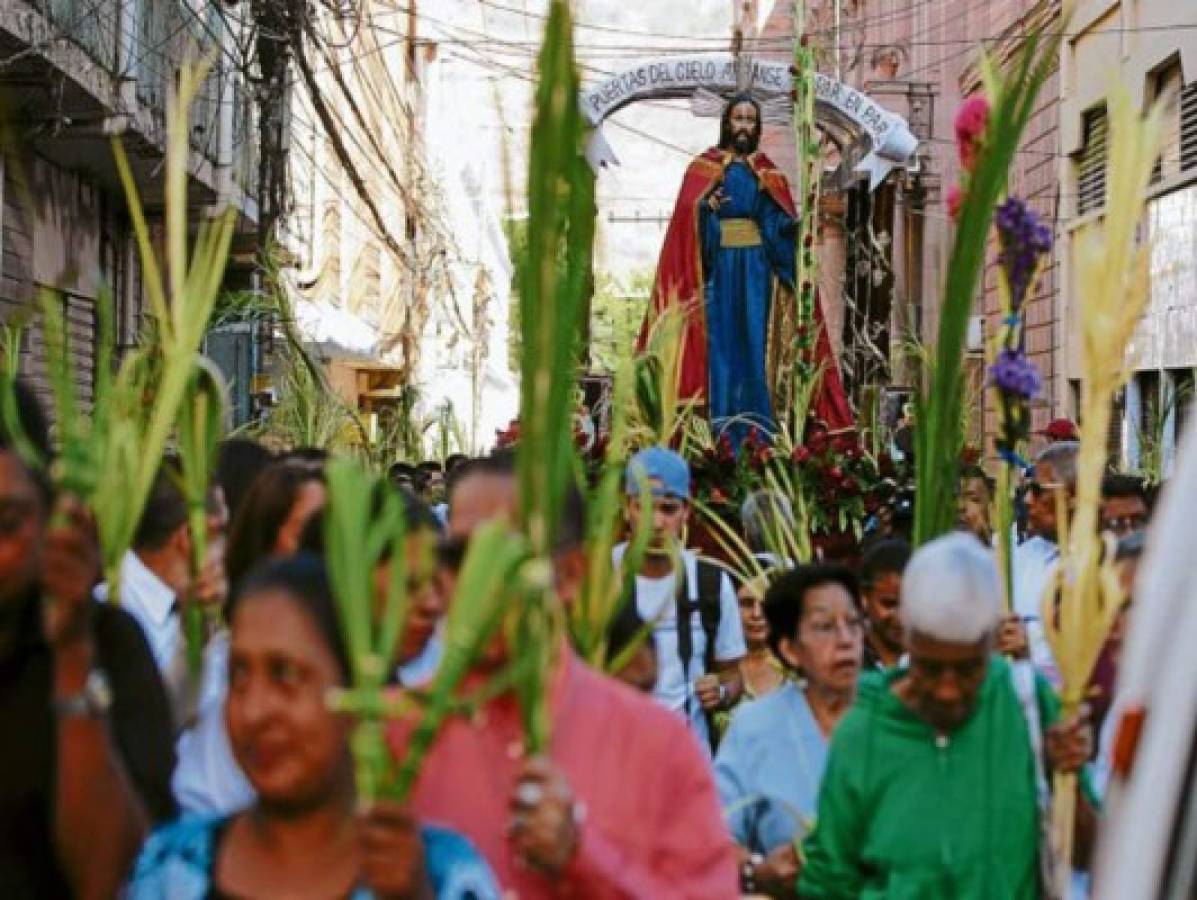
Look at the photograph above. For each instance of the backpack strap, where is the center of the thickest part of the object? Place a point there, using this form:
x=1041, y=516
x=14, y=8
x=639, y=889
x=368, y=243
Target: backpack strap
x=710, y=609
x=685, y=635
x=707, y=605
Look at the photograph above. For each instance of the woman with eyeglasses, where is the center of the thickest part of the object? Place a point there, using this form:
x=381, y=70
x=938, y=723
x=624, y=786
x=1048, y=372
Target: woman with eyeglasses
x=771, y=761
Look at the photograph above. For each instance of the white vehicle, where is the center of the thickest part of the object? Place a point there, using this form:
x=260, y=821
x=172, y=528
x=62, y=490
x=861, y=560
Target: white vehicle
x=1148, y=843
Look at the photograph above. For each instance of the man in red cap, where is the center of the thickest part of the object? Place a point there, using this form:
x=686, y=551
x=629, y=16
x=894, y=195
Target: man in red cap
x=1061, y=430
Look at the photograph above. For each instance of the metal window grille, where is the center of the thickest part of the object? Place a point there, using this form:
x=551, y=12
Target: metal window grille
x=1091, y=169
x=1188, y=128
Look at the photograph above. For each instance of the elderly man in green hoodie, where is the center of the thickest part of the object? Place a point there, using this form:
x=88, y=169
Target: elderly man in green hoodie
x=934, y=787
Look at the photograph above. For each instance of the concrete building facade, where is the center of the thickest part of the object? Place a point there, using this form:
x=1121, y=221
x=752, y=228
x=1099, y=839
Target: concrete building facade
x=396, y=259
x=1151, y=46
x=77, y=74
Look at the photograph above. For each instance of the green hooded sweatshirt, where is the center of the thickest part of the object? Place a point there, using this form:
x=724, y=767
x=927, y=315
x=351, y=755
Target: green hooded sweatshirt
x=906, y=815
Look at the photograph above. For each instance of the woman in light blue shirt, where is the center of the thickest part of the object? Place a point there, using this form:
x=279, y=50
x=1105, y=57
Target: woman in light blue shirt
x=771, y=761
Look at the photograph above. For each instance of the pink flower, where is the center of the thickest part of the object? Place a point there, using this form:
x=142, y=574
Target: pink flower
x=972, y=120
x=955, y=201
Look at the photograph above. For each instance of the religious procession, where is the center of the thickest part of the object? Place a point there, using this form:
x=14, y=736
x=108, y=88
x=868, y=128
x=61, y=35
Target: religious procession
x=393, y=505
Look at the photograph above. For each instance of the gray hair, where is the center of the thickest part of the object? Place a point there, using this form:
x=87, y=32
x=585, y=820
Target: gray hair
x=1061, y=456
x=951, y=591
x=760, y=509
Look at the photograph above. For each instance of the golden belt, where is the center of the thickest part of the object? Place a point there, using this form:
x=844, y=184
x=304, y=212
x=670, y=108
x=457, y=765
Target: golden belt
x=739, y=233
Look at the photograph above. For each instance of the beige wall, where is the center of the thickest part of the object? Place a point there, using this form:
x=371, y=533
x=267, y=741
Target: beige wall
x=1131, y=41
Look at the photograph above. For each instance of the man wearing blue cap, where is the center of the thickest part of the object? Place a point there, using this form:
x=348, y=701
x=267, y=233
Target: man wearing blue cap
x=697, y=663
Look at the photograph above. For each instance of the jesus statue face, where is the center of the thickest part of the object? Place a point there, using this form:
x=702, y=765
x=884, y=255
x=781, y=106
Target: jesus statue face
x=741, y=128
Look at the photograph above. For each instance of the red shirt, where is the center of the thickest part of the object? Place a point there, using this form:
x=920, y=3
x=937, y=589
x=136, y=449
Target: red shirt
x=653, y=827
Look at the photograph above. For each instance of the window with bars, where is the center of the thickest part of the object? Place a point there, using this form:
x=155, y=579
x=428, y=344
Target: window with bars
x=1091, y=167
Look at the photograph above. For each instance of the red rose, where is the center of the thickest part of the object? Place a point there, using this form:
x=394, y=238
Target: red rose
x=818, y=443
x=850, y=485
x=836, y=474
x=801, y=455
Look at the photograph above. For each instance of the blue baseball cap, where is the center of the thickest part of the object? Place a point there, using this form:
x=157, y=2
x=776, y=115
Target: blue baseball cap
x=661, y=465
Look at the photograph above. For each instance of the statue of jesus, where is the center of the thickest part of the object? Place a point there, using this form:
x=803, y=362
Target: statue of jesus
x=729, y=261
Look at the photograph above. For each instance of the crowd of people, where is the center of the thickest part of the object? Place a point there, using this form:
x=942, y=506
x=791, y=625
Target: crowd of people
x=878, y=726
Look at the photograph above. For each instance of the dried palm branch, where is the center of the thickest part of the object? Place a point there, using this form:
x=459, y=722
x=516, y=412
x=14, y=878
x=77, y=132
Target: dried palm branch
x=1111, y=269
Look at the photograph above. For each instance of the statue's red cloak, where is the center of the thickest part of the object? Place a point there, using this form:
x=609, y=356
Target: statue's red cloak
x=680, y=280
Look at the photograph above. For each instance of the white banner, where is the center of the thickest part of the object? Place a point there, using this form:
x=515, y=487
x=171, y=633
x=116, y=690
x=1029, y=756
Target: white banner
x=890, y=141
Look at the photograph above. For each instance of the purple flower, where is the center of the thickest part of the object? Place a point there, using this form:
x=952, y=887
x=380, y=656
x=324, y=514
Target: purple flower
x=1023, y=240
x=1012, y=373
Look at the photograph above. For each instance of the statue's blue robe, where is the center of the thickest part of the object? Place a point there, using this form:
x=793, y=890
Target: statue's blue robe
x=740, y=285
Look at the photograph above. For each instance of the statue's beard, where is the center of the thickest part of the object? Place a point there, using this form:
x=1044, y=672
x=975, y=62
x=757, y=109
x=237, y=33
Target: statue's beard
x=745, y=141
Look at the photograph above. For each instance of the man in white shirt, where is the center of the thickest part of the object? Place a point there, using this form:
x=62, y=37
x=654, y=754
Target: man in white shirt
x=698, y=663
x=155, y=574
x=1054, y=474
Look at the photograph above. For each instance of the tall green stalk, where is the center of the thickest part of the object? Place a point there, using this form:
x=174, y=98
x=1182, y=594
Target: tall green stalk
x=801, y=366
x=607, y=589
x=552, y=301
x=200, y=430
x=358, y=538
x=152, y=382
x=939, y=437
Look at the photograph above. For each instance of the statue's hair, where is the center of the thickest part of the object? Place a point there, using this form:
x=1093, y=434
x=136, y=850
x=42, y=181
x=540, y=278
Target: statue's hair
x=951, y=591
x=726, y=138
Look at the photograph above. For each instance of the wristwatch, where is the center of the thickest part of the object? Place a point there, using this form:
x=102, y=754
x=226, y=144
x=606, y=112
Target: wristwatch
x=92, y=702
x=748, y=873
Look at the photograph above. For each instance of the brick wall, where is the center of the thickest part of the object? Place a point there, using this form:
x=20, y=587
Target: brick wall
x=85, y=240
x=1034, y=178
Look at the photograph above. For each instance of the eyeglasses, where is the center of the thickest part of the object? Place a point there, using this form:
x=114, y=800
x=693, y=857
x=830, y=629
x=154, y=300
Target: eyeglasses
x=830, y=630
x=1124, y=525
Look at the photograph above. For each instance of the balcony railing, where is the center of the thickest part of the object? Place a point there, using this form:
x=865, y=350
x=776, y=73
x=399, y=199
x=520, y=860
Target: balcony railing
x=90, y=24
x=158, y=36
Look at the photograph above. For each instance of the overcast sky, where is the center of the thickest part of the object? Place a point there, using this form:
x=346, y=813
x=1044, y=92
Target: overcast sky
x=487, y=51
